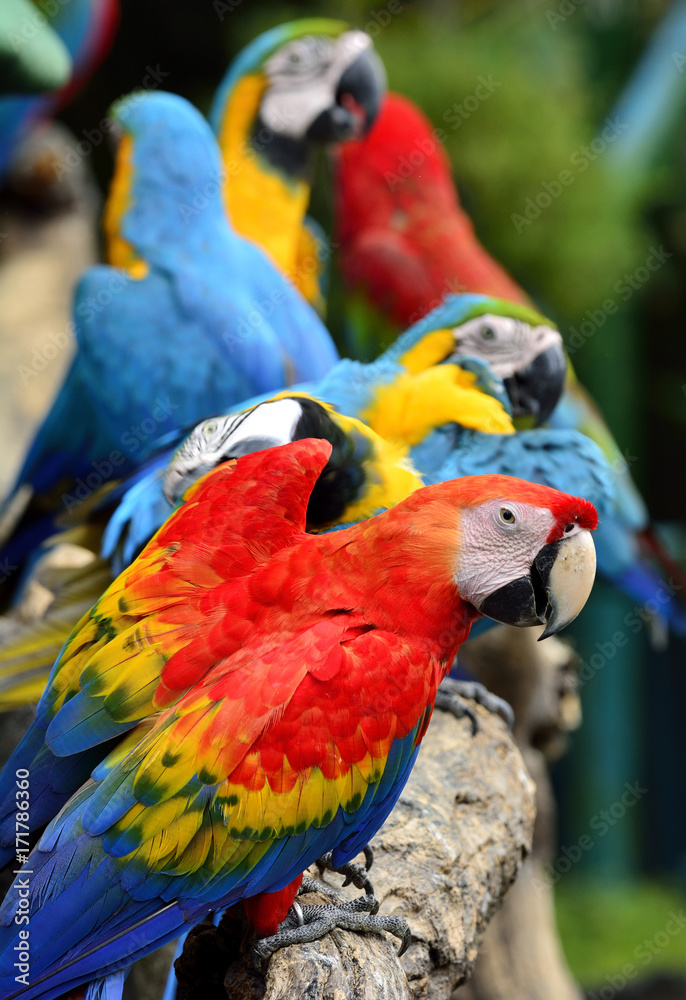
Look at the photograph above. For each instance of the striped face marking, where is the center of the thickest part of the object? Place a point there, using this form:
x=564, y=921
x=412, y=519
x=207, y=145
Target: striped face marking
x=222, y=438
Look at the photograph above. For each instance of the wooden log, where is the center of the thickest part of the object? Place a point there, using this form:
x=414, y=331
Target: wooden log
x=522, y=957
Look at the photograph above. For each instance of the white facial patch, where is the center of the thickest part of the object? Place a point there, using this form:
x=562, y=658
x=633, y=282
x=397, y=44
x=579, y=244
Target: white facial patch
x=507, y=344
x=303, y=78
x=266, y=425
x=495, y=550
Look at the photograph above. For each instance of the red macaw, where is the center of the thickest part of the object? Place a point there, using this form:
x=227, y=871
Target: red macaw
x=405, y=243
x=269, y=689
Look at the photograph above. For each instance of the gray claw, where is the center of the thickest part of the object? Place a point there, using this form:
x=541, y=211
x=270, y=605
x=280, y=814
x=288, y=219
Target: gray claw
x=352, y=872
x=359, y=915
x=450, y=699
x=368, y=857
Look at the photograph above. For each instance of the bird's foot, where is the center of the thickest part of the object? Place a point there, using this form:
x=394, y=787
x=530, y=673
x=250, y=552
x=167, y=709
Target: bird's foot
x=451, y=695
x=355, y=874
x=310, y=923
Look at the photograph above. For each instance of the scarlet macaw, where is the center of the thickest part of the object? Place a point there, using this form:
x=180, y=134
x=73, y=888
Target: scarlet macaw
x=269, y=690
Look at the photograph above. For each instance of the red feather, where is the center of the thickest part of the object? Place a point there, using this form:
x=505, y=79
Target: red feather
x=405, y=240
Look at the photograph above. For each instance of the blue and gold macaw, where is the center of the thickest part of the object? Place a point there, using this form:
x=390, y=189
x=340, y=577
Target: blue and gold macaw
x=303, y=84
x=414, y=396
x=189, y=319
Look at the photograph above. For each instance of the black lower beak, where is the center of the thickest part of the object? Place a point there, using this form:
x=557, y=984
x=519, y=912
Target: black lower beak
x=535, y=390
x=520, y=603
x=358, y=99
x=555, y=590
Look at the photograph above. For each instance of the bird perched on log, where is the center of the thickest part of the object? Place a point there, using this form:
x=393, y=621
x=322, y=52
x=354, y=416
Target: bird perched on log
x=405, y=242
x=269, y=690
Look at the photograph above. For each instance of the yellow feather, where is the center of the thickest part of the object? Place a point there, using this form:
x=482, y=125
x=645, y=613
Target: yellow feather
x=120, y=253
x=431, y=350
x=411, y=406
x=308, y=267
x=262, y=205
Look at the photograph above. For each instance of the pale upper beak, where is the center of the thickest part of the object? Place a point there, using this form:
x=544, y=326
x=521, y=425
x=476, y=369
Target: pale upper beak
x=555, y=590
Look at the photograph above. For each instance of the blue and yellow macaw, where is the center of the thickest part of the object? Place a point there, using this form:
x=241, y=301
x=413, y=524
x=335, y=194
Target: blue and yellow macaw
x=189, y=319
x=413, y=397
x=414, y=394
x=303, y=84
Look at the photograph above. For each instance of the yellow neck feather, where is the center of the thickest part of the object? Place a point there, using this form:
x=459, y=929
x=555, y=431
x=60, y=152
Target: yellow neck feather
x=412, y=406
x=119, y=252
x=262, y=205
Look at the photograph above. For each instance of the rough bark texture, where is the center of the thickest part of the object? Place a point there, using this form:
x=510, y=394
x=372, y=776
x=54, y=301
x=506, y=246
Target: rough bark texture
x=521, y=957
x=444, y=860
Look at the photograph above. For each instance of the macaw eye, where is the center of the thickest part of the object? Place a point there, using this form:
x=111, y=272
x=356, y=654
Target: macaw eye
x=506, y=516
x=569, y=527
x=487, y=333
x=210, y=427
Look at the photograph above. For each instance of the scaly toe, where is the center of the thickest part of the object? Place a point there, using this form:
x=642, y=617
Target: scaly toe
x=310, y=923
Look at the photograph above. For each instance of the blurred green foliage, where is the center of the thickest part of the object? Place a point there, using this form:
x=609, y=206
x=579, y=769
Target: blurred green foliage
x=607, y=928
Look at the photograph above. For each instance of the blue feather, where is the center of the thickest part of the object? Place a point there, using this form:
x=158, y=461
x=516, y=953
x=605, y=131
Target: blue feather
x=199, y=333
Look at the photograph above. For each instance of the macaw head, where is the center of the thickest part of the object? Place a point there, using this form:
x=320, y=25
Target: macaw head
x=311, y=81
x=519, y=552
x=364, y=473
x=166, y=157
x=521, y=347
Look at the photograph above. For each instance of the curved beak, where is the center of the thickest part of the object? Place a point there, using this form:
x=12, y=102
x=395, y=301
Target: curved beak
x=359, y=94
x=554, y=592
x=534, y=391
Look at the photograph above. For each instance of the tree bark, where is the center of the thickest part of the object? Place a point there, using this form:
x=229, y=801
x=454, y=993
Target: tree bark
x=444, y=860
x=522, y=957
